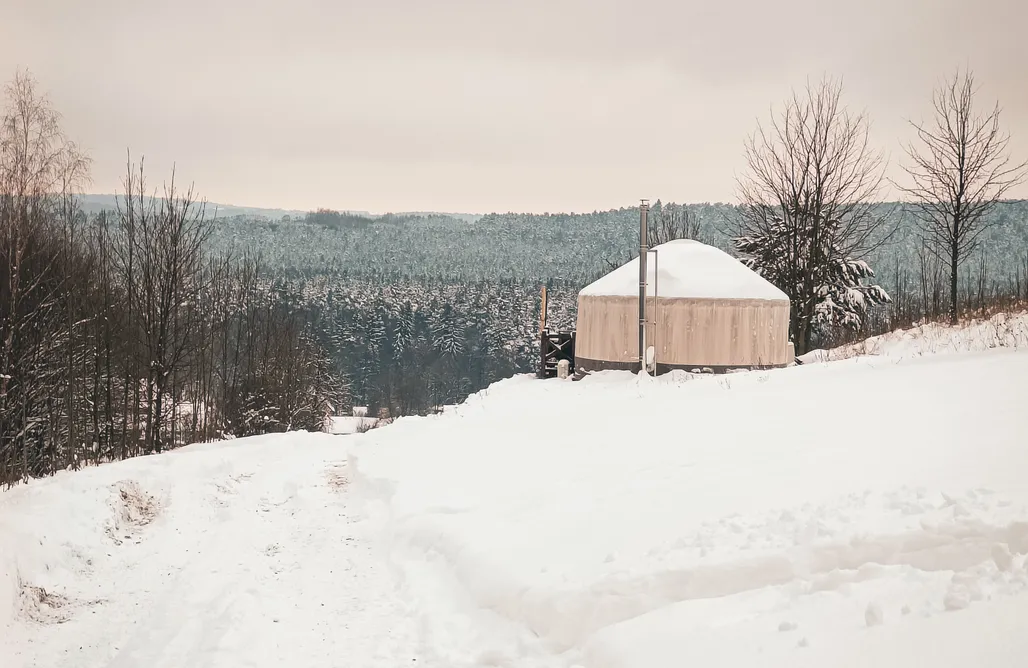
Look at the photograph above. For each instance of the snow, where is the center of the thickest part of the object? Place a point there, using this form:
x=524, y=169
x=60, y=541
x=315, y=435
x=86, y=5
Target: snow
x=998, y=331
x=343, y=424
x=870, y=511
x=852, y=513
x=688, y=269
x=242, y=553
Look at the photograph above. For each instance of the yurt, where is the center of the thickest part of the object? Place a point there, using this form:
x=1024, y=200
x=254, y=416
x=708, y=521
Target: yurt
x=705, y=310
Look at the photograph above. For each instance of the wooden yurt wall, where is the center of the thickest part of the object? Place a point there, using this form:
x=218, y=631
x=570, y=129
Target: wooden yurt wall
x=689, y=332
x=607, y=329
x=722, y=332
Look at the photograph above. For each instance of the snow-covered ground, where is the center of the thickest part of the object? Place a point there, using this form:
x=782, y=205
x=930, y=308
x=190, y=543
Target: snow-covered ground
x=242, y=553
x=871, y=512
x=865, y=512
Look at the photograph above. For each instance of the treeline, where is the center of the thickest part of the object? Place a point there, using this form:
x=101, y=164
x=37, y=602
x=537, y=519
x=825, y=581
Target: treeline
x=410, y=346
x=535, y=247
x=121, y=333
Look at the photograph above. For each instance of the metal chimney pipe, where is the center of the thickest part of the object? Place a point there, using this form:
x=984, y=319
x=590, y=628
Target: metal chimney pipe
x=644, y=207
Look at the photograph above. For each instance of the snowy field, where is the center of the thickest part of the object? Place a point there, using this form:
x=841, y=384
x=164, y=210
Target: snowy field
x=871, y=511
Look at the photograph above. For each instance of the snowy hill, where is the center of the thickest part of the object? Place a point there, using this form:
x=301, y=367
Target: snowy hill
x=778, y=518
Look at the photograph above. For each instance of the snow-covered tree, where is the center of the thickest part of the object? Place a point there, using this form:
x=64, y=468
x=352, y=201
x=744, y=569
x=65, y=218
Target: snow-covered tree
x=448, y=335
x=403, y=338
x=842, y=294
x=809, y=209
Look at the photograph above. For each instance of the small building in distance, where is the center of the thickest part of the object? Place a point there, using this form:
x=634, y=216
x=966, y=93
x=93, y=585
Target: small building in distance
x=705, y=310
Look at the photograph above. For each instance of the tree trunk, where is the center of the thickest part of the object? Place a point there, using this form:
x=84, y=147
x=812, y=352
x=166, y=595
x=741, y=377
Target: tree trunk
x=131, y=378
x=148, y=437
x=70, y=370
x=155, y=434
x=954, y=284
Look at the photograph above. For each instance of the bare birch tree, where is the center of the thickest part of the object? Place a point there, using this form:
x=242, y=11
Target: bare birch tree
x=960, y=169
x=40, y=168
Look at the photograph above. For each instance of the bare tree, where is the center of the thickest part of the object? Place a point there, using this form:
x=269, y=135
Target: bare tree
x=121, y=321
x=667, y=222
x=171, y=269
x=673, y=221
x=134, y=208
x=960, y=169
x=40, y=169
x=808, y=212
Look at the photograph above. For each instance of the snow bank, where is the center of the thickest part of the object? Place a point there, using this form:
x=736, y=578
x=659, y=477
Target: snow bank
x=54, y=530
x=240, y=553
x=755, y=519
x=999, y=331
x=688, y=269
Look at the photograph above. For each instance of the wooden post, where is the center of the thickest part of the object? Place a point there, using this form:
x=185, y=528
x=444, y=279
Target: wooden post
x=542, y=313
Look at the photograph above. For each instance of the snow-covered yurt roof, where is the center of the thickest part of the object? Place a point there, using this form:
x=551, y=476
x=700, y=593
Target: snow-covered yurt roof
x=688, y=270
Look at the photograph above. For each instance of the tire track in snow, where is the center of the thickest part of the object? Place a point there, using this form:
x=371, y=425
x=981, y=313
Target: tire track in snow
x=568, y=619
x=802, y=551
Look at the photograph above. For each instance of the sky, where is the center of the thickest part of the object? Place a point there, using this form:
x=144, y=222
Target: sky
x=480, y=105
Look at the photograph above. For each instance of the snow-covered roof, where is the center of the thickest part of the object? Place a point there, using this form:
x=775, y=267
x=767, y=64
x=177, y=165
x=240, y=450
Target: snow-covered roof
x=691, y=270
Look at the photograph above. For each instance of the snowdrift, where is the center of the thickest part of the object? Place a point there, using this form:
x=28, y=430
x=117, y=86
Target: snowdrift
x=52, y=529
x=869, y=512
x=241, y=553
x=999, y=331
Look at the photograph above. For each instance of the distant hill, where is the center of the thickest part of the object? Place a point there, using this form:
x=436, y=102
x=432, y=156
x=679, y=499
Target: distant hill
x=465, y=217
x=95, y=202
x=535, y=247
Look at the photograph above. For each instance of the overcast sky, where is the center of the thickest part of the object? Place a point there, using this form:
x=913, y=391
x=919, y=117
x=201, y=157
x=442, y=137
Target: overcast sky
x=479, y=105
